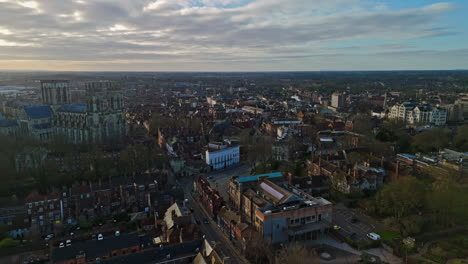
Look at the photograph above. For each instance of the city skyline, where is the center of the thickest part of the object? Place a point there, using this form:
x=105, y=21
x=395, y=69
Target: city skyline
x=232, y=35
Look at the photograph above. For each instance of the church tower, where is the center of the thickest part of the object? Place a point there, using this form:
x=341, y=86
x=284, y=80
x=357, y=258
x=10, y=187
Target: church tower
x=55, y=92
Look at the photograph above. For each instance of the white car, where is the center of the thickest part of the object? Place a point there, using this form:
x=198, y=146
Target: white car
x=117, y=233
x=68, y=243
x=100, y=237
x=61, y=245
x=373, y=236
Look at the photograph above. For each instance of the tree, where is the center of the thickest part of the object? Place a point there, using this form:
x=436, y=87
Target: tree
x=297, y=254
x=460, y=140
x=362, y=124
x=3, y=231
x=431, y=141
x=258, y=251
x=401, y=199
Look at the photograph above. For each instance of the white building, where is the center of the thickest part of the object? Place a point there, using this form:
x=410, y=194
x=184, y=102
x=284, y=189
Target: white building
x=414, y=113
x=337, y=100
x=222, y=154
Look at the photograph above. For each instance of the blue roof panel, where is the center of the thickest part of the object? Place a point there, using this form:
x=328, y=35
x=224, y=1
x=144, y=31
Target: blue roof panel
x=255, y=177
x=75, y=108
x=38, y=111
x=408, y=156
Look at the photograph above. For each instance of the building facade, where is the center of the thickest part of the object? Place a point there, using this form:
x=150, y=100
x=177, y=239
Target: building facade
x=222, y=155
x=413, y=113
x=279, y=212
x=102, y=117
x=338, y=100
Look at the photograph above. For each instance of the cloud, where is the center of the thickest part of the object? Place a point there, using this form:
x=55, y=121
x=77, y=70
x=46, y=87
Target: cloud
x=208, y=31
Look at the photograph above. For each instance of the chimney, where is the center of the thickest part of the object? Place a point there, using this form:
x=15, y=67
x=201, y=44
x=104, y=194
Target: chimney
x=397, y=170
x=290, y=178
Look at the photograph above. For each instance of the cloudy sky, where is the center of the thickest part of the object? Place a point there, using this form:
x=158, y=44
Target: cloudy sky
x=233, y=35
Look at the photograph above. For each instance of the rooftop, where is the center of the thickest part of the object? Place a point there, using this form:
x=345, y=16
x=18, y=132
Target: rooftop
x=38, y=111
x=158, y=255
x=74, y=108
x=271, y=175
x=94, y=248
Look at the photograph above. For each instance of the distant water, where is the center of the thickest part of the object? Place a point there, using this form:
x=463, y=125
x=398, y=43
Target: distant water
x=13, y=89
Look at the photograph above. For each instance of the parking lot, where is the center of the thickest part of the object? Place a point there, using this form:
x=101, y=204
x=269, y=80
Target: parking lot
x=220, y=179
x=351, y=222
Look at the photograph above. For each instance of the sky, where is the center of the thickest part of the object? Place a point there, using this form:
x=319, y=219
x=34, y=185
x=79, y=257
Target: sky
x=233, y=35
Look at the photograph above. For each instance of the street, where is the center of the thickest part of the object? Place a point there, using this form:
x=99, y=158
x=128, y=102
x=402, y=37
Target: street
x=213, y=234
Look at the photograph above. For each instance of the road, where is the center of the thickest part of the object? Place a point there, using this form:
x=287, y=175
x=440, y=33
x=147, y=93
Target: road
x=212, y=233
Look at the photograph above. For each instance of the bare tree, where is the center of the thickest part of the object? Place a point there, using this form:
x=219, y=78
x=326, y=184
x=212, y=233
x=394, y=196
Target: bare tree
x=296, y=254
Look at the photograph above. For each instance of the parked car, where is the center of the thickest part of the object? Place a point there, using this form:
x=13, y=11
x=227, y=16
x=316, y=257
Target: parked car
x=61, y=245
x=100, y=237
x=117, y=233
x=336, y=227
x=206, y=221
x=68, y=243
x=354, y=220
x=373, y=236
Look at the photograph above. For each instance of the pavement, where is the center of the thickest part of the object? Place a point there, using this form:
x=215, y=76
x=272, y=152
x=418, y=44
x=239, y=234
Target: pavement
x=347, y=254
x=212, y=233
x=384, y=255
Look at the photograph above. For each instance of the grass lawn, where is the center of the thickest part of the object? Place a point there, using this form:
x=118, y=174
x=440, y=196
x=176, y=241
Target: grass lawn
x=453, y=247
x=389, y=235
x=448, y=248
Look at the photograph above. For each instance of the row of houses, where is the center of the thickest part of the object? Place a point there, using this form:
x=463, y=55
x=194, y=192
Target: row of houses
x=42, y=214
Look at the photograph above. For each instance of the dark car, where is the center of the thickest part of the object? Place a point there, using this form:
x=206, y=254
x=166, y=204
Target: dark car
x=206, y=221
x=354, y=220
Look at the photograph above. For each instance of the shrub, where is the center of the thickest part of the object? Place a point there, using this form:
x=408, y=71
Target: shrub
x=9, y=243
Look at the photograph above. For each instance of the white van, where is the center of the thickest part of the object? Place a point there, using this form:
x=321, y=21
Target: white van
x=373, y=236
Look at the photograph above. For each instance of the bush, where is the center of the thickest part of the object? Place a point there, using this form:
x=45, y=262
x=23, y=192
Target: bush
x=9, y=243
